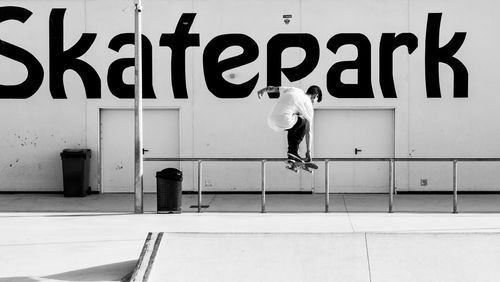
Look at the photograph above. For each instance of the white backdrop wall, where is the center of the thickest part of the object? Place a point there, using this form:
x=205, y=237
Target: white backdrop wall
x=34, y=130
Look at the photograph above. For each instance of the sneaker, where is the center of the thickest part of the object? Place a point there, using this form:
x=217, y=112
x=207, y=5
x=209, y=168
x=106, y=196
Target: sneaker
x=294, y=157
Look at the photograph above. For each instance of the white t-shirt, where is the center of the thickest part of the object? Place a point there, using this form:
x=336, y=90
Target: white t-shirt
x=291, y=103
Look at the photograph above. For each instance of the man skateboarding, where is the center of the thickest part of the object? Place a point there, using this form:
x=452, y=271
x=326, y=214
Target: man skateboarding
x=294, y=113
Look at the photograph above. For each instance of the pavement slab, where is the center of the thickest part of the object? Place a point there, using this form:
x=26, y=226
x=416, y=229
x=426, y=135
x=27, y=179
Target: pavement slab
x=98, y=238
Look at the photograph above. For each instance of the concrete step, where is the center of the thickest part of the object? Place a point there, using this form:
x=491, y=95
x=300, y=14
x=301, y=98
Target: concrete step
x=383, y=257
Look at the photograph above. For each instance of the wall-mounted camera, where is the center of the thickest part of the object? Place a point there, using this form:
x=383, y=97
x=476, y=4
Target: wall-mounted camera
x=287, y=18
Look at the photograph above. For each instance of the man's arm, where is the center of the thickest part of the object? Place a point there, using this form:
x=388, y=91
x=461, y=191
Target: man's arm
x=269, y=89
x=308, y=145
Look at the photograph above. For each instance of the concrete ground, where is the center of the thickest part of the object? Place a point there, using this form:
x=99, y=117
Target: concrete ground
x=98, y=238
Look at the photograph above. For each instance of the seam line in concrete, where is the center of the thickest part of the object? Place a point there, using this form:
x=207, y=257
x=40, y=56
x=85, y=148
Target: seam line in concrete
x=368, y=258
x=211, y=200
x=348, y=215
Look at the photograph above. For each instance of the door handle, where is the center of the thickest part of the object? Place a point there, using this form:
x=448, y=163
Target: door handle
x=356, y=151
x=144, y=151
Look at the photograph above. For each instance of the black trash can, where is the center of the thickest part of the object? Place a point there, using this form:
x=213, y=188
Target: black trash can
x=76, y=165
x=169, y=190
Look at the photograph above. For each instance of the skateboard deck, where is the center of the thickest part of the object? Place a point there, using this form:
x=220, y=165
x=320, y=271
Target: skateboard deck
x=295, y=165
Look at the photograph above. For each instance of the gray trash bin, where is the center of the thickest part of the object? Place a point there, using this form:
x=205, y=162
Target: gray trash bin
x=76, y=165
x=169, y=190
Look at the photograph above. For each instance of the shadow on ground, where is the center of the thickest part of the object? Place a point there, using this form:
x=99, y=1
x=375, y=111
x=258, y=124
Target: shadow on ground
x=120, y=271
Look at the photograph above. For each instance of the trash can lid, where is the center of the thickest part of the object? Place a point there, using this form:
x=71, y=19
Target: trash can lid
x=170, y=173
x=76, y=153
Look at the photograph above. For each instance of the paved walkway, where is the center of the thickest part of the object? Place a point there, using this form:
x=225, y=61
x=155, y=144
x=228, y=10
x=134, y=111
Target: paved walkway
x=249, y=203
x=98, y=238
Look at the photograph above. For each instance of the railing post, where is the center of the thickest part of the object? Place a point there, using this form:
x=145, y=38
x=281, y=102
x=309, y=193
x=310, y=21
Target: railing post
x=327, y=186
x=199, y=184
x=392, y=181
x=263, y=175
x=455, y=186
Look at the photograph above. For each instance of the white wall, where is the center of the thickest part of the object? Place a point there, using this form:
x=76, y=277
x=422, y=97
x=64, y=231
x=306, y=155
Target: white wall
x=35, y=130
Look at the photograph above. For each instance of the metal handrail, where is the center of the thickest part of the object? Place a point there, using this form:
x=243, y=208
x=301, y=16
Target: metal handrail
x=327, y=161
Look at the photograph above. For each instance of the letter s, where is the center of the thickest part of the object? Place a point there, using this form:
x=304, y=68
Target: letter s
x=35, y=71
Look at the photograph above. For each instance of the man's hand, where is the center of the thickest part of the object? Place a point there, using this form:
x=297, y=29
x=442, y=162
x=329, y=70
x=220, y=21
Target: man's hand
x=269, y=89
x=308, y=157
x=261, y=92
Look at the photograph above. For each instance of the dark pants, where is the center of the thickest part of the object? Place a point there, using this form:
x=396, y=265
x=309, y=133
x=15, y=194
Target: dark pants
x=296, y=135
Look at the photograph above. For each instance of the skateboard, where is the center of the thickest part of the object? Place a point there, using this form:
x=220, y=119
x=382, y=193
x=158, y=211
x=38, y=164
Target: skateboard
x=295, y=165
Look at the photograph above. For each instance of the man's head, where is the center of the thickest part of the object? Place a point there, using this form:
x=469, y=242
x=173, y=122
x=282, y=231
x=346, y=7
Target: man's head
x=315, y=93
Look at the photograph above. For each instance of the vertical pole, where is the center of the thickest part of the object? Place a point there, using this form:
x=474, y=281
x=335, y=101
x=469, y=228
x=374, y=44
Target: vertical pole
x=200, y=167
x=455, y=186
x=263, y=174
x=139, y=165
x=327, y=186
x=391, y=184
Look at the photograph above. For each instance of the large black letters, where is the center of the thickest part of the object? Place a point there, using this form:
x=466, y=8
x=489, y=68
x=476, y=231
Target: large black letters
x=179, y=42
x=35, y=71
x=116, y=69
x=61, y=60
x=275, y=47
x=435, y=55
x=363, y=89
x=388, y=43
x=213, y=68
